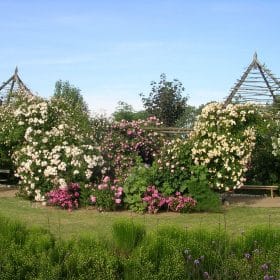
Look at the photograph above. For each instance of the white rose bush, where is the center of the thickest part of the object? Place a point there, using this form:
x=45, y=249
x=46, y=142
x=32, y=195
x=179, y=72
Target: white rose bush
x=54, y=150
x=223, y=141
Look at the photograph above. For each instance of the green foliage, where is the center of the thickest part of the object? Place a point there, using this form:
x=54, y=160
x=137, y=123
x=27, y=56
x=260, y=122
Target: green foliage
x=166, y=253
x=127, y=235
x=173, y=166
x=71, y=94
x=199, y=189
x=126, y=112
x=165, y=100
x=189, y=116
x=135, y=185
x=265, y=163
x=35, y=254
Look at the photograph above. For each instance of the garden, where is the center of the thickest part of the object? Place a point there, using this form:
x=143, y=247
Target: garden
x=134, y=180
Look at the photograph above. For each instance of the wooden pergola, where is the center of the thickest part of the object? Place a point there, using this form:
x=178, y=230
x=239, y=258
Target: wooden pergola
x=12, y=85
x=256, y=85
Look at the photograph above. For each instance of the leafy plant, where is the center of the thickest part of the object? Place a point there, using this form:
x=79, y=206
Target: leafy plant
x=199, y=189
x=135, y=185
x=107, y=195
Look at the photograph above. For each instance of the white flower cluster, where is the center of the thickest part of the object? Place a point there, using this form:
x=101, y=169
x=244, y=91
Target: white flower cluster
x=223, y=141
x=54, y=152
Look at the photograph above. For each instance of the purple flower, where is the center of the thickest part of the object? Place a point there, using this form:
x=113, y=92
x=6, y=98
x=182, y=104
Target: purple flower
x=247, y=256
x=264, y=266
x=206, y=275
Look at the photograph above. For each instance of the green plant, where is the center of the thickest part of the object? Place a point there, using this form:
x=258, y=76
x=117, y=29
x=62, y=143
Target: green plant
x=135, y=185
x=107, y=195
x=173, y=166
x=199, y=189
x=127, y=235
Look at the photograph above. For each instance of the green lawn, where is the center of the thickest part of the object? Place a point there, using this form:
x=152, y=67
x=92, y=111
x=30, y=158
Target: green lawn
x=66, y=224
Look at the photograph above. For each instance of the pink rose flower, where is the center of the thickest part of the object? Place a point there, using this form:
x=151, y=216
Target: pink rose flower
x=93, y=199
x=118, y=201
x=106, y=179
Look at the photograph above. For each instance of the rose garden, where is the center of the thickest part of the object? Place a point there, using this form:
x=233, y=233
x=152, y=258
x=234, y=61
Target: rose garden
x=62, y=158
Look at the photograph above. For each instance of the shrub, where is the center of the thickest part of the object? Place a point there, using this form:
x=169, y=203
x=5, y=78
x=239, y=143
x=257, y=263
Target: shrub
x=107, y=196
x=180, y=203
x=223, y=141
x=153, y=200
x=198, y=188
x=55, y=150
x=125, y=142
x=173, y=166
x=66, y=197
x=135, y=185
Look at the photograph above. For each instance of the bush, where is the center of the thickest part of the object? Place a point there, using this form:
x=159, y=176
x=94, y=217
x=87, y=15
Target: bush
x=49, y=143
x=173, y=166
x=66, y=197
x=107, y=196
x=125, y=142
x=223, y=141
x=135, y=185
x=154, y=201
x=199, y=189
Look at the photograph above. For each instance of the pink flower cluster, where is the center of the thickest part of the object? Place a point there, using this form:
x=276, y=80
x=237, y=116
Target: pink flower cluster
x=67, y=198
x=124, y=141
x=178, y=203
x=153, y=199
x=107, y=195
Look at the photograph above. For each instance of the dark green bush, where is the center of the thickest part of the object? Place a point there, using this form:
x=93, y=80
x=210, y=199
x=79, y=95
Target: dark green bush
x=198, y=188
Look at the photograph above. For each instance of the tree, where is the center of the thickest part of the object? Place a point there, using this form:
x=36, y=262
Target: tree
x=165, y=100
x=71, y=94
x=189, y=116
x=70, y=100
x=126, y=112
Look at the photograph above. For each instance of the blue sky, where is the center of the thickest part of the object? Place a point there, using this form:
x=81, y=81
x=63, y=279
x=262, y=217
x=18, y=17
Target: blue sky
x=112, y=50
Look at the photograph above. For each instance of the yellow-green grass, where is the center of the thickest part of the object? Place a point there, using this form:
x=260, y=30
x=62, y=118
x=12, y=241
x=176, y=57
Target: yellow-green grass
x=66, y=224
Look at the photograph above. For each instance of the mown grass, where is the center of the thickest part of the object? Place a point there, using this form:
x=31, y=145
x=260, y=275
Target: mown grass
x=64, y=224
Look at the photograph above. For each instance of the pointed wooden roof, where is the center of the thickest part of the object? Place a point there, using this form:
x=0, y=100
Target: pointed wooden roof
x=257, y=85
x=13, y=84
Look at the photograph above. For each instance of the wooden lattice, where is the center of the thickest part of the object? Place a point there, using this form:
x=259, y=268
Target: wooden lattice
x=12, y=85
x=257, y=85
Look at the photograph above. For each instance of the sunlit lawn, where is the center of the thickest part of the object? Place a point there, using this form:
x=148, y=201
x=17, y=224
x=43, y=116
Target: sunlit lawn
x=66, y=224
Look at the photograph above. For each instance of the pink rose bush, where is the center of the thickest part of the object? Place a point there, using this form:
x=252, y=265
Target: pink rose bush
x=125, y=141
x=65, y=197
x=107, y=195
x=155, y=201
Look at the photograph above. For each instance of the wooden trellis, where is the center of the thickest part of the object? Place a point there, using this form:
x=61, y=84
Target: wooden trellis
x=256, y=85
x=12, y=85
x=169, y=130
